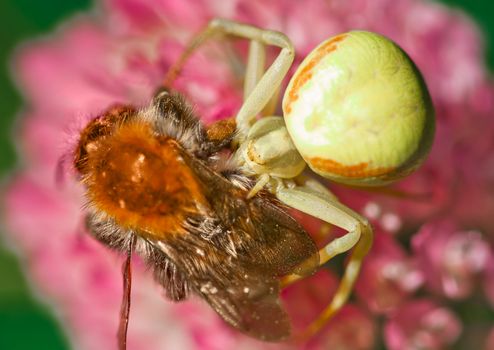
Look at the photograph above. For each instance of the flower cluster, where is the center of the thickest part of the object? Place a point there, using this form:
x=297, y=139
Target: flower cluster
x=432, y=258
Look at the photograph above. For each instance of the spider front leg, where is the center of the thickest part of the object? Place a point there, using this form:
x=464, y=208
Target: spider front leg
x=267, y=87
x=359, y=236
x=259, y=88
x=254, y=71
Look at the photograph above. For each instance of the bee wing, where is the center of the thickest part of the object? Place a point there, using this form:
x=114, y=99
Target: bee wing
x=249, y=301
x=242, y=294
x=260, y=229
x=285, y=247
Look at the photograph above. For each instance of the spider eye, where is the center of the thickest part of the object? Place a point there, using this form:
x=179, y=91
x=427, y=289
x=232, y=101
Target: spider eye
x=359, y=111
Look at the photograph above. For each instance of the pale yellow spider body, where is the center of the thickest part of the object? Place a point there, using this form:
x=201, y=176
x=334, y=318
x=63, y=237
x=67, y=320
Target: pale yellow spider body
x=358, y=110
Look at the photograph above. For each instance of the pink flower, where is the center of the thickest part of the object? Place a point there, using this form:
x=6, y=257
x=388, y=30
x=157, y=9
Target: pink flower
x=122, y=55
x=452, y=260
x=421, y=324
x=388, y=277
x=489, y=281
x=351, y=329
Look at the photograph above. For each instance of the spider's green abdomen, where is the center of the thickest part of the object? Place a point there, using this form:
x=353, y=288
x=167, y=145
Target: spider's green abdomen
x=358, y=110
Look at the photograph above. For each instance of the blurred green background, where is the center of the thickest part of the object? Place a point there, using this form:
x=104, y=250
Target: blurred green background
x=24, y=322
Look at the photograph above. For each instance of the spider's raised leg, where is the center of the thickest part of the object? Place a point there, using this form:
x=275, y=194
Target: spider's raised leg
x=359, y=236
x=254, y=71
x=256, y=61
x=260, y=88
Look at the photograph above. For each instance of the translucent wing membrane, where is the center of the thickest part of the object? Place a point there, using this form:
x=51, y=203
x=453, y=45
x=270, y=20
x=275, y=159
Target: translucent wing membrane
x=250, y=304
x=284, y=244
x=245, y=296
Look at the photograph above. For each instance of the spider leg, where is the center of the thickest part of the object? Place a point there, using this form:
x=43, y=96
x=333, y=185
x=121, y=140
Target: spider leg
x=359, y=237
x=260, y=87
x=263, y=93
x=261, y=182
x=307, y=181
x=254, y=70
x=256, y=61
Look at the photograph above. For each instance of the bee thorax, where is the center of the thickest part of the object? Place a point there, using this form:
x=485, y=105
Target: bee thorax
x=140, y=180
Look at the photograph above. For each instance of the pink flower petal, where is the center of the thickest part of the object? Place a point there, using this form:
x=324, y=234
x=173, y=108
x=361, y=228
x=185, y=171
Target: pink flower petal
x=122, y=55
x=421, y=324
x=388, y=276
x=451, y=259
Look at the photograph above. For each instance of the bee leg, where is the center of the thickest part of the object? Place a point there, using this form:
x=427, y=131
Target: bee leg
x=125, y=307
x=359, y=237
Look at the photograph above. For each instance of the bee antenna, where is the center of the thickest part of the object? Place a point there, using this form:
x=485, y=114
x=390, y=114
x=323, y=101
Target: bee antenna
x=125, y=306
x=176, y=68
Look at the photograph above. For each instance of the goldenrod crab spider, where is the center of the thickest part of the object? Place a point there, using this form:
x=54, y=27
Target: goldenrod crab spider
x=357, y=111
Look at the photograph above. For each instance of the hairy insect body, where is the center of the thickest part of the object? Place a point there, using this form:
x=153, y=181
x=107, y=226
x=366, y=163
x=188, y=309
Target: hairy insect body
x=141, y=180
x=155, y=177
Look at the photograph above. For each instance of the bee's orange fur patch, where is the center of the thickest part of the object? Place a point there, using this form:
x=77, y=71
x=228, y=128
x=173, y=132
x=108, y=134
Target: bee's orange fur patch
x=221, y=129
x=141, y=181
